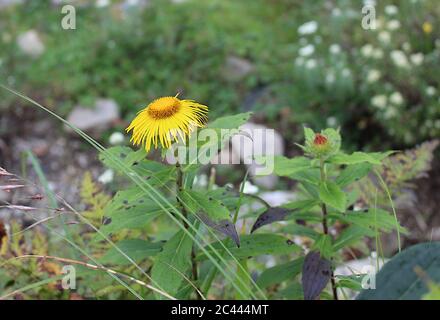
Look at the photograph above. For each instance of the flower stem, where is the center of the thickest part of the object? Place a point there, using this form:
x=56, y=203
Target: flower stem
x=179, y=184
x=325, y=228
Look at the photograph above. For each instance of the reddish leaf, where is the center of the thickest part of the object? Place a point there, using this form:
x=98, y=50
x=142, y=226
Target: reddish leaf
x=224, y=226
x=316, y=274
x=269, y=216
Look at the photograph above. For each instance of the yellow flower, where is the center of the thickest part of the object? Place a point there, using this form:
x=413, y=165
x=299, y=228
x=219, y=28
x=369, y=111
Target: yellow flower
x=166, y=119
x=427, y=27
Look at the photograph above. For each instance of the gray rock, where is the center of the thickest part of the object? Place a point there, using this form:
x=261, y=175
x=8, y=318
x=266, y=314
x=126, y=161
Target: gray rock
x=30, y=43
x=237, y=68
x=101, y=117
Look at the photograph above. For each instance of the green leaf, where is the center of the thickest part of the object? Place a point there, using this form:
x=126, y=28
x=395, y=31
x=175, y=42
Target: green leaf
x=372, y=220
x=256, y=245
x=353, y=282
x=131, y=209
x=292, y=292
x=136, y=249
x=124, y=154
x=280, y=273
x=285, y=167
x=353, y=173
x=398, y=280
x=374, y=158
x=324, y=245
x=230, y=122
x=300, y=230
x=309, y=135
x=172, y=263
x=230, y=198
x=332, y=195
x=301, y=205
x=197, y=201
x=157, y=173
x=310, y=175
x=351, y=235
x=132, y=218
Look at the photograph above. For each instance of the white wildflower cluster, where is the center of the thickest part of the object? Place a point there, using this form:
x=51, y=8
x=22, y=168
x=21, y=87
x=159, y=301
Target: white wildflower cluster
x=107, y=176
x=417, y=58
x=396, y=98
x=391, y=10
x=373, y=75
x=369, y=51
x=335, y=48
x=379, y=101
x=306, y=50
x=399, y=58
x=116, y=138
x=308, y=28
x=384, y=37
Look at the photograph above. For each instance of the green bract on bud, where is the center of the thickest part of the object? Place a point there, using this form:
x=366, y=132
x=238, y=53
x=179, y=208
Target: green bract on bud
x=321, y=144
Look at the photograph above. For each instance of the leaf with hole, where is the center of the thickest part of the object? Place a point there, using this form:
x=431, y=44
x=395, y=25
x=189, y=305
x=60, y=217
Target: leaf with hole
x=269, y=216
x=223, y=226
x=256, y=245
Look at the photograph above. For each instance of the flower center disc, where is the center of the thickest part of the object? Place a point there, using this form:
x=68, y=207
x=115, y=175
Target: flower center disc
x=163, y=107
x=320, y=139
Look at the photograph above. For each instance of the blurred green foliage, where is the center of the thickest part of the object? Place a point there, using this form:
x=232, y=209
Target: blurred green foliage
x=377, y=85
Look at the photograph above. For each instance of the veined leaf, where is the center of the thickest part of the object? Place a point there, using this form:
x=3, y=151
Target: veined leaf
x=269, y=216
x=399, y=278
x=353, y=282
x=351, y=235
x=230, y=122
x=359, y=157
x=353, y=173
x=257, y=244
x=373, y=219
x=198, y=201
x=280, y=273
x=172, y=263
x=311, y=175
x=332, y=195
x=285, y=167
x=323, y=245
x=132, y=218
x=224, y=226
x=136, y=249
x=131, y=209
x=316, y=274
x=301, y=205
x=293, y=291
x=157, y=173
x=230, y=198
x=300, y=230
x=212, y=212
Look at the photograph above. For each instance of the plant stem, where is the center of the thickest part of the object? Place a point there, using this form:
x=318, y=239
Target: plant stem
x=325, y=228
x=179, y=184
